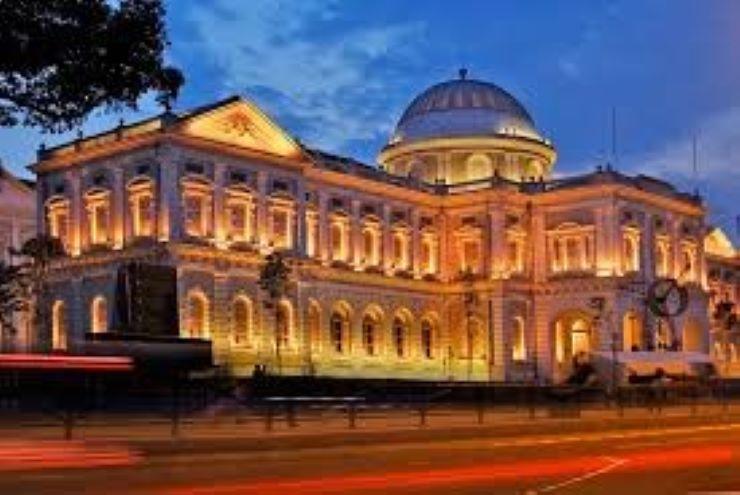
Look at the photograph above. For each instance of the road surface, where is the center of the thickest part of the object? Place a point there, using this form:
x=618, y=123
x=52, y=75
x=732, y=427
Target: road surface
x=672, y=460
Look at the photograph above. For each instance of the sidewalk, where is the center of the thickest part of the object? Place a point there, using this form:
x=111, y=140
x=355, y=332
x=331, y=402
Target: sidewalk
x=230, y=432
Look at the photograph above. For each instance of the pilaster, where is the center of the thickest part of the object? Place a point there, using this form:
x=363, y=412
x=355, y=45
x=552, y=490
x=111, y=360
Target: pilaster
x=118, y=208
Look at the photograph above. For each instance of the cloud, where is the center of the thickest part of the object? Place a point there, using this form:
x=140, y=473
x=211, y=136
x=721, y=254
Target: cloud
x=327, y=79
x=718, y=166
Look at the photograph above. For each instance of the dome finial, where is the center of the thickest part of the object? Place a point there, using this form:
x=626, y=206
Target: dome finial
x=463, y=73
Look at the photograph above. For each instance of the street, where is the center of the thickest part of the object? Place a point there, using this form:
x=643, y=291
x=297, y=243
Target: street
x=673, y=459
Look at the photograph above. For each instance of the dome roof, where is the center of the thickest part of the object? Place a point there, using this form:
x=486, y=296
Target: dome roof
x=464, y=107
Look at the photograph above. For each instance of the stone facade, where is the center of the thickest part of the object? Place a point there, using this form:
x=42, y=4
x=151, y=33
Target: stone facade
x=398, y=271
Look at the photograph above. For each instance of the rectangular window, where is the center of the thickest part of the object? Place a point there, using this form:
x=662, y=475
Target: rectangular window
x=99, y=225
x=142, y=215
x=238, y=222
x=471, y=256
x=281, y=229
x=194, y=216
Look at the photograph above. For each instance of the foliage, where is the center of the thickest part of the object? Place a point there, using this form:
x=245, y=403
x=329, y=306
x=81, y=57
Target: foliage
x=61, y=59
x=274, y=277
x=32, y=273
x=12, y=298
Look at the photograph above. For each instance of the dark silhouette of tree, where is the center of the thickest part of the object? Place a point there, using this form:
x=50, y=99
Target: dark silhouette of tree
x=37, y=255
x=274, y=280
x=61, y=59
x=12, y=300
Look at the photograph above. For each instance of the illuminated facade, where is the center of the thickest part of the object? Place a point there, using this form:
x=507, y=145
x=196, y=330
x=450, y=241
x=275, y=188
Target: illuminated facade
x=17, y=224
x=723, y=277
x=458, y=257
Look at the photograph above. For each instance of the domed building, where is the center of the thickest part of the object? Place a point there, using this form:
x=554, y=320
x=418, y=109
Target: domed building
x=465, y=130
x=457, y=258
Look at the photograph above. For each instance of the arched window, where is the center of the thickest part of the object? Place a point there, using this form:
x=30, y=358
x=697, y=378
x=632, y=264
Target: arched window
x=241, y=321
x=518, y=340
x=337, y=325
x=580, y=338
x=99, y=315
x=400, y=337
x=197, y=316
x=369, y=335
x=427, y=339
x=59, y=333
x=283, y=323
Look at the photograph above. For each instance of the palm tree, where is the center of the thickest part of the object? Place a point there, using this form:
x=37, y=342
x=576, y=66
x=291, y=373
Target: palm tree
x=274, y=278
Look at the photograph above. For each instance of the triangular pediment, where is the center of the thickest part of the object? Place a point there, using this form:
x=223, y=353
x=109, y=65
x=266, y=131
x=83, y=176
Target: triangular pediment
x=240, y=123
x=718, y=244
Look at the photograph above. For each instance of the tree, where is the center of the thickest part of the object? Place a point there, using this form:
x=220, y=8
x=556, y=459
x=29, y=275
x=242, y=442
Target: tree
x=37, y=254
x=61, y=59
x=12, y=300
x=274, y=279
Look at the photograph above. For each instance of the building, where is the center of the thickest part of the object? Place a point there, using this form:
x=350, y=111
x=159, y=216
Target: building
x=723, y=276
x=458, y=257
x=17, y=224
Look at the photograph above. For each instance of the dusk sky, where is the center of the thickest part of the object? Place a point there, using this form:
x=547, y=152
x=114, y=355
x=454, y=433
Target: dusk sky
x=338, y=74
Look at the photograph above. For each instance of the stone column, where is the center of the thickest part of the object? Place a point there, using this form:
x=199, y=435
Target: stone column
x=442, y=247
x=355, y=226
x=701, y=266
x=76, y=213
x=219, y=205
x=220, y=325
x=300, y=227
x=387, y=244
x=497, y=241
x=323, y=227
x=647, y=248
x=416, y=242
x=674, y=232
x=169, y=200
x=118, y=208
x=263, y=234
x=538, y=247
x=607, y=227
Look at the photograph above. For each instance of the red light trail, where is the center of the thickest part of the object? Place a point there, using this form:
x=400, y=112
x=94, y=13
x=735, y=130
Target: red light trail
x=489, y=473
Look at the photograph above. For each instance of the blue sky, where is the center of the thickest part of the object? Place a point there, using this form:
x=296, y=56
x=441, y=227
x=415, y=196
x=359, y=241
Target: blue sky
x=338, y=74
